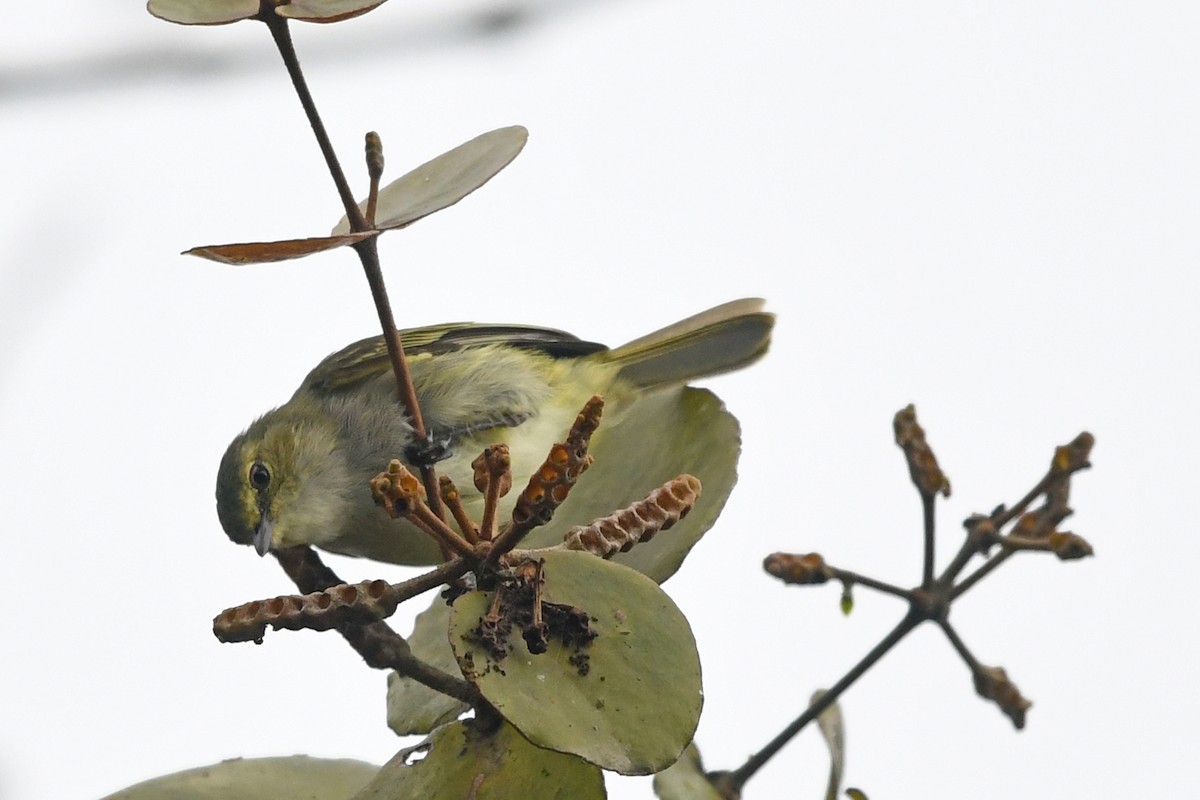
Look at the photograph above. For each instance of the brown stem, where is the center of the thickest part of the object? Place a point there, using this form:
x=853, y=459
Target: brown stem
x=278, y=26
x=425, y=518
x=383, y=648
x=1009, y=514
x=368, y=253
x=491, y=506
x=969, y=548
x=379, y=645
x=927, y=501
x=976, y=576
x=1015, y=542
x=507, y=540
x=846, y=576
x=959, y=646
x=453, y=500
x=367, y=250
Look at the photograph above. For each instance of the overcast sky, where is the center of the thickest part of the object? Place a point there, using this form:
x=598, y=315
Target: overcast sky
x=986, y=211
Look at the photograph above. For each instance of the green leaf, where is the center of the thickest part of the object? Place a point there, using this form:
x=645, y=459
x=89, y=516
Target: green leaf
x=685, y=779
x=326, y=10
x=460, y=764
x=834, y=732
x=608, y=484
x=413, y=708
x=629, y=701
x=203, y=12
x=286, y=778
x=445, y=180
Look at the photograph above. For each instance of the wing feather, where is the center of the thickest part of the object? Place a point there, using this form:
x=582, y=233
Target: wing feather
x=367, y=359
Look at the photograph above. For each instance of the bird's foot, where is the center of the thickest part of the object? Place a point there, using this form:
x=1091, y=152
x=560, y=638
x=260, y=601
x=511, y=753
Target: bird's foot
x=428, y=451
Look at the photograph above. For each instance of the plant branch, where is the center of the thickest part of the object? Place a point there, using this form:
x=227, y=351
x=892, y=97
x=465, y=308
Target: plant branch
x=855, y=579
x=980, y=532
x=379, y=645
x=368, y=251
x=278, y=26
x=978, y=575
x=927, y=501
x=959, y=645
x=389, y=650
x=735, y=780
x=1007, y=515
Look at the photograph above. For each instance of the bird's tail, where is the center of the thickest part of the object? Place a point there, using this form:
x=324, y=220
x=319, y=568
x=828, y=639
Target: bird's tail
x=722, y=339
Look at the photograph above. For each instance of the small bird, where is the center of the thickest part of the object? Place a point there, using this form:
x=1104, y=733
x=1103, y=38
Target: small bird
x=300, y=474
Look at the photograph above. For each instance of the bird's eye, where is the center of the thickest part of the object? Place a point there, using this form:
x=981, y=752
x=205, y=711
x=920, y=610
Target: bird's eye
x=260, y=476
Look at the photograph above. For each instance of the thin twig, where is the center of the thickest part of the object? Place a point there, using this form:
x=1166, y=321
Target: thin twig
x=736, y=779
x=1009, y=514
x=966, y=551
x=959, y=645
x=278, y=26
x=976, y=576
x=453, y=500
x=927, y=501
x=368, y=251
x=846, y=576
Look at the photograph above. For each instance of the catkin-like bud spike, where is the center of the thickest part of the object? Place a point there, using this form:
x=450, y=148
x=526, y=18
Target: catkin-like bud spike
x=794, y=568
x=1069, y=546
x=618, y=532
x=374, y=151
x=993, y=684
x=549, y=485
x=922, y=464
x=368, y=601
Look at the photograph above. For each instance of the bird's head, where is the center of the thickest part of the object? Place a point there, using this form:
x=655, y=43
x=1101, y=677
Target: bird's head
x=281, y=483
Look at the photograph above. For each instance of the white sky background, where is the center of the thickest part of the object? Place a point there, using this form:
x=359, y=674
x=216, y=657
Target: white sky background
x=989, y=212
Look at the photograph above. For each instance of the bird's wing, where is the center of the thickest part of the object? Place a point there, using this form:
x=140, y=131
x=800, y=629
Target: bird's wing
x=367, y=359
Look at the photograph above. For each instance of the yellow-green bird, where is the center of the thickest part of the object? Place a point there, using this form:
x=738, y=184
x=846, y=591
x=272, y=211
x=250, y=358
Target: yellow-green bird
x=300, y=474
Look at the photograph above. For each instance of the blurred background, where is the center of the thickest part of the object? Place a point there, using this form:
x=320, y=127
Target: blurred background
x=986, y=211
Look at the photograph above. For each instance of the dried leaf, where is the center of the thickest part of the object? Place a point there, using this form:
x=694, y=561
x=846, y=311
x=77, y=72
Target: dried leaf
x=266, y=252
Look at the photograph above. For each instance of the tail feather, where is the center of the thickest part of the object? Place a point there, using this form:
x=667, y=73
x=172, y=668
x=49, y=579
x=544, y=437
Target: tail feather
x=722, y=339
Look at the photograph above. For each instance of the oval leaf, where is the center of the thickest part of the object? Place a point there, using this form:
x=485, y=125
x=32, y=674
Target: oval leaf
x=266, y=252
x=326, y=10
x=203, y=12
x=628, y=701
x=445, y=180
x=258, y=779
x=461, y=763
x=414, y=708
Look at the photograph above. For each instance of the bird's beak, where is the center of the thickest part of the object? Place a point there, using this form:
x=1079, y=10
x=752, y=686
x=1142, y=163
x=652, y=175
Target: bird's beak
x=262, y=536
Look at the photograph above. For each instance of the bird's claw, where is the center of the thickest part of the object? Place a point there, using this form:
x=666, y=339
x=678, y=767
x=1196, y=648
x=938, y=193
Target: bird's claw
x=428, y=451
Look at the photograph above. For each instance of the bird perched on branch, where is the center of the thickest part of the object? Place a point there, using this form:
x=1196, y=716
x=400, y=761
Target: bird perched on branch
x=300, y=474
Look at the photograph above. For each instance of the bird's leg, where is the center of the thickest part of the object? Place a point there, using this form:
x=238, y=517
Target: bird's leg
x=439, y=445
x=429, y=451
